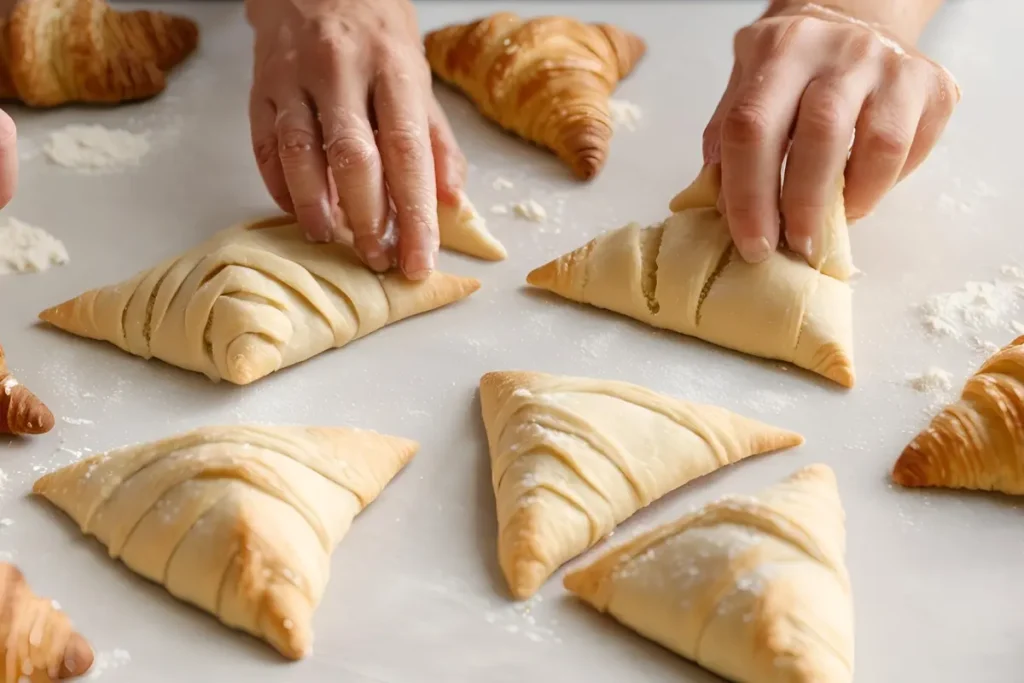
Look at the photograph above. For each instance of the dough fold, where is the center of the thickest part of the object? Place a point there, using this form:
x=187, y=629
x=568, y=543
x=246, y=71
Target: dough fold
x=685, y=275
x=252, y=300
x=464, y=230
x=752, y=588
x=239, y=521
x=572, y=458
x=978, y=441
x=547, y=79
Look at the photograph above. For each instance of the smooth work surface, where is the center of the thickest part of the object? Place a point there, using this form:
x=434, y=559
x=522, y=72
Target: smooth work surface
x=416, y=594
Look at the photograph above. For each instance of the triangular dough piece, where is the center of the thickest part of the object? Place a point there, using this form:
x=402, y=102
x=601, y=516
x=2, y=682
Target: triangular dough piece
x=978, y=442
x=752, y=588
x=685, y=275
x=571, y=458
x=464, y=230
x=239, y=521
x=253, y=299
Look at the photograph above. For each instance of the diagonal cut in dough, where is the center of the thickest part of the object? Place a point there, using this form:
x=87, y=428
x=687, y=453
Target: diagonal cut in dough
x=253, y=299
x=977, y=442
x=239, y=521
x=685, y=275
x=464, y=230
x=752, y=588
x=572, y=458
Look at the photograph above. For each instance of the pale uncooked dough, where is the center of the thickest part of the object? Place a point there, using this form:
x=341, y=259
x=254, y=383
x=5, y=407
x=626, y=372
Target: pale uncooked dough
x=572, y=458
x=464, y=230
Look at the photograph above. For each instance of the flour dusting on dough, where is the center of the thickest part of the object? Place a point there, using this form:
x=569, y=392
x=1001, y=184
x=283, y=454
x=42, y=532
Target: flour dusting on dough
x=25, y=248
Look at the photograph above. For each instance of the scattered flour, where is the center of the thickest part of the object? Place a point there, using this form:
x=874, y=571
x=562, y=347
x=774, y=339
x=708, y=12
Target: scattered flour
x=933, y=381
x=104, y=661
x=625, y=114
x=6, y=521
x=502, y=184
x=978, y=307
x=77, y=420
x=499, y=210
x=27, y=249
x=95, y=148
x=768, y=401
x=530, y=210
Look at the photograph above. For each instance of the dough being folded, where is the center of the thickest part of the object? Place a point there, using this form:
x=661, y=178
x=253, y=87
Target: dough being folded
x=464, y=230
x=685, y=275
x=253, y=299
x=547, y=79
x=239, y=521
x=572, y=458
x=977, y=442
x=752, y=588
x=37, y=641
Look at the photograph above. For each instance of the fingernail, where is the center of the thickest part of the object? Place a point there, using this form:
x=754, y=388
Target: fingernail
x=418, y=265
x=713, y=155
x=377, y=259
x=320, y=234
x=801, y=244
x=754, y=249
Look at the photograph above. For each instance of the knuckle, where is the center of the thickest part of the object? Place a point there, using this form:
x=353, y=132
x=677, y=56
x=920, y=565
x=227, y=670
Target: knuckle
x=293, y=142
x=746, y=123
x=888, y=141
x=350, y=150
x=826, y=117
x=265, y=149
x=949, y=92
x=406, y=142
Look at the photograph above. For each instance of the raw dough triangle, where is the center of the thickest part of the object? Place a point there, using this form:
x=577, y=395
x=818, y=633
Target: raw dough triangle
x=253, y=299
x=239, y=521
x=685, y=275
x=464, y=230
x=753, y=588
x=572, y=458
x=977, y=442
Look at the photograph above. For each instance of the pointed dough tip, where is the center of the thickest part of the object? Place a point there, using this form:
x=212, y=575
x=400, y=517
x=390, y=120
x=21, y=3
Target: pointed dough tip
x=816, y=472
x=544, y=276
x=583, y=583
x=526, y=576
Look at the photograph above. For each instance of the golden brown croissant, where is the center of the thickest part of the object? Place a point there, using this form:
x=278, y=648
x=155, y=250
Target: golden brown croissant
x=977, y=442
x=37, y=642
x=546, y=79
x=59, y=51
x=21, y=411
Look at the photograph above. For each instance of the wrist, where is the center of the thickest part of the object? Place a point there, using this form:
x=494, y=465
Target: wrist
x=901, y=20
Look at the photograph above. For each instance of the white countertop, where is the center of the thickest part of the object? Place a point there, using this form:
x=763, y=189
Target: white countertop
x=416, y=594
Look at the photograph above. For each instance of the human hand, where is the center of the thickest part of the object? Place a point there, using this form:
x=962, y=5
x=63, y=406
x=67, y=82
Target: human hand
x=805, y=77
x=346, y=130
x=8, y=159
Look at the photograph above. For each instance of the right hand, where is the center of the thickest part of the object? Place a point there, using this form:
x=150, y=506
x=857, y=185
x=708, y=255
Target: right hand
x=8, y=159
x=346, y=129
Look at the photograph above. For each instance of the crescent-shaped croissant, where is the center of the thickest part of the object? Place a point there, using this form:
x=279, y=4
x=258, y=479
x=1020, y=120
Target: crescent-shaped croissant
x=685, y=275
x=572, y=458
x=239, y=521
x=57, y=51
x=978, y=442
x=253, y=299
x=546, y=79
x=21, y=411
x=37, y=642
x=752, y=588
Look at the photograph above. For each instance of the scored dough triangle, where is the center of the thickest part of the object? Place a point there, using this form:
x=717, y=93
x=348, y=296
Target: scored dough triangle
x=464, y=230
x=253, y=299
x=752, y=588
x=685, y=275
x=239, y=521
x=571, y=458
x=978, y=441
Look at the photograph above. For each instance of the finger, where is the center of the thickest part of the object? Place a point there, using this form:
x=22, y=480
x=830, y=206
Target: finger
x=8, y=159
x=356, y=167
x=300, y=147
x=409, y=170
x=712, y=140
x=755, y=133
x=885, y=132
x=938, y=109
x=817, y=156
x=449, y=162
x=262, y=126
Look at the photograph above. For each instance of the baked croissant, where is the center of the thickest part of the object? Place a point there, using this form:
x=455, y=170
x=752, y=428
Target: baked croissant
x=253, y=299
x=546, y=79
x=57, y=51
x=685, y=275
x=572, y=458
x=21, y=411
x=37, y=641
x=977, y=442
x=752, y=588
x=239, y=521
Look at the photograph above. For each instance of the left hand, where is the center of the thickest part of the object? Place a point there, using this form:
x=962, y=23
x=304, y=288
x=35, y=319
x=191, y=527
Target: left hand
x=804, y=79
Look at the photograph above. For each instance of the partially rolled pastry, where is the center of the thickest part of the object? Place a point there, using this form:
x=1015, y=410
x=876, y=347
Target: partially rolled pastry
x=977, y=442
x=464, y=230
x=752, y=588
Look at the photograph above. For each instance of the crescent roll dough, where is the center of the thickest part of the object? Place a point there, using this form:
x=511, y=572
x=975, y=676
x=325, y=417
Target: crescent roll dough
x=752, y=588
x=253, y=299
x=239, y=521
x=685, y=275
x=977, y=442
x=464, y=230
x=547, y=79
x=572, y=458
